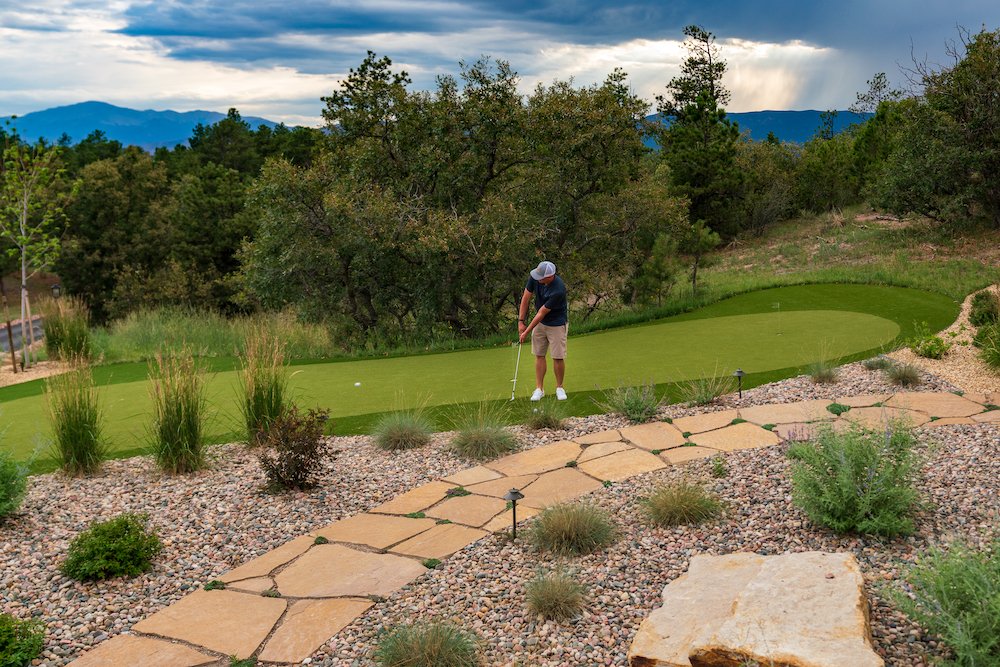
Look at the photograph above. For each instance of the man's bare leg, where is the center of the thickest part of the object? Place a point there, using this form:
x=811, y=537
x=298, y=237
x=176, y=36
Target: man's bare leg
x=540, y=372
x=559, y=368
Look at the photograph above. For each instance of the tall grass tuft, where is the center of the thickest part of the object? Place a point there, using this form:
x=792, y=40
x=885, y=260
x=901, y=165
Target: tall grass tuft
x=572, y=529
x=179, y=405
x=637, y=404
x=76, y=420
x=481, y=433
x=681, y=503
x=405, y=429
x=823, y=372
x=877, y=363
x=988, y=341
x=13, y=483
x=67, y=328
x=704, y=391
x=435, y=644
x=903, y=375
x=555, y=596
x=263, y=383
x=545, y=414
x=985, y=309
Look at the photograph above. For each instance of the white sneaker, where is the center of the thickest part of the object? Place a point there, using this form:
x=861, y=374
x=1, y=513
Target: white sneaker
x=537, y=395
x=560, y=393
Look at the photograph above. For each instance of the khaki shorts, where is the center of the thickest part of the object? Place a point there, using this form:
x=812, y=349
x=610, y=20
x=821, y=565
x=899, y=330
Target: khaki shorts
x=549, y=339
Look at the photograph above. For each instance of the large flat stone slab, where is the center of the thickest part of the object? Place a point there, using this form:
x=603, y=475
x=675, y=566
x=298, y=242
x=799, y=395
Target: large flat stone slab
x=307, y=625
x=538, y=460
x=224, y=621
x=505, y=520
x=794, y=610
x=592, y=452
x=622, y=465
x=864, y=400
x=333, y=570
x=708, y=421
x=935, y=404
x=265, y=564
x=374, y=530
x=951, y=421
x=472, y=476
x=253, y=585
x=878, y=418
x=471, y=510
x=599, y=437
x=556, y=487
x=787, y=413
x=654, y=435
x=991, y=417
x=740, y=436
x=415, y=500
x=689, y=453
x=441, y=541
x=498, y=488
x=130, y=650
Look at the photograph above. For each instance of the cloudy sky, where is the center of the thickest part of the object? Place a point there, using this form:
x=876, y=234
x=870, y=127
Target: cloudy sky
x=276, y=58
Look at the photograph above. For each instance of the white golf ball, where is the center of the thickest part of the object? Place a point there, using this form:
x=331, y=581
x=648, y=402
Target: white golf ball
x=535, y=410
x=357, y=384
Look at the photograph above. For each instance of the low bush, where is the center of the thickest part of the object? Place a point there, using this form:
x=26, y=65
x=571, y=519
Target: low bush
x=956, y=595
x=704, y=391
x=822, y=372
x=435, y=644
x=481, y=432
x=122, y=546
x=76, y=421
x=21, y=641
x=67, y=329
x=879, y=363
x=985, y=309
x=178, y=392
x=556, y=596
x=925, y=344
x=857, y=480
x=396, y=431
x=547, y=414
x=903, y=375
x=263, y=383
x=291, y=450
x=681, y=503
x=572, y=529
x=638, y=404
x=13, y=483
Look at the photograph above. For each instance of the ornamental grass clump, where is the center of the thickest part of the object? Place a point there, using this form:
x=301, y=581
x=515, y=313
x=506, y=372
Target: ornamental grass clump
x=988, y=341
x=291, y=450
x=857, y=480
x=21, y=641
x=822, y=372
x=572, y=529
x=122, y=546
x=704, y=391
x=547, y=414
x=397, y=431
x=679, y=503
x=67, y=329
x=555, y=596
x=13, y=483
x=435, y=644
x=263, y=383
x=878, y=363
x=76, y=417
x=903, y=375
x=985, y=309
x=179, y=405
x=638, y=404
x=481, y=432
x=955, y=593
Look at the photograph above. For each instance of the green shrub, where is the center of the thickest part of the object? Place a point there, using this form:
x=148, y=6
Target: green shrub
x=13, y=483
x=637, y=404
x=263, y=383
x=178, y=393
x=822, y=372
x=547, y=414
x=402, y=430
x=680, y=503
x=985, y=309
x=67, y=329
x=76, y=421
x=574, y=529
x=481, y=432
x=704, y=391
x=838, y=408
x=988, y=341
x=903, y=375
x=428, y=645
x=857, y=480
x=881, y=362
x=925, y=344
x=556, y=596
x=291, y=450
x=956, y=595
x=719, y=469
x=20, y=641
x=121, y=546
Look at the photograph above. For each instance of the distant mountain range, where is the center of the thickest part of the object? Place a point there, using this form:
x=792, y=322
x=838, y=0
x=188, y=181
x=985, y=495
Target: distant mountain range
x=152, y=129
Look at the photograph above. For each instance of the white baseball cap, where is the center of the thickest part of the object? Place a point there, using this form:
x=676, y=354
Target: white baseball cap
x=543, y=270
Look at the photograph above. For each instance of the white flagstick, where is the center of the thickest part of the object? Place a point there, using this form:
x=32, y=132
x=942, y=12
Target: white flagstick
x=517, y=365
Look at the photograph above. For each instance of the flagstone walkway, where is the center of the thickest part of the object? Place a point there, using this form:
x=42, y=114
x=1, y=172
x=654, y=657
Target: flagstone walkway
x=284, y=605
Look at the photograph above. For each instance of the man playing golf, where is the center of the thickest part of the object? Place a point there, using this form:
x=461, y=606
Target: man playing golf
x=549, y=326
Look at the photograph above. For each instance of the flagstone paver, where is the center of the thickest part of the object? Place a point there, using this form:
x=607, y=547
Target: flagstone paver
x=708, y=421
x=254, y=585
x=374, y=530
x=655, y=435
x=864, y=401
x=935, y=404
x=498, y=488
x=307, y=625
x=473, y=476
x=992, y=416
x=800, y=432
x=415, y=500
x=687, y=453
x=223, y=621
x=622, y=465
x=503, y=521
x=787, y=413
x=951, y=421
x=471, y=510
x=264, y=565
x=598, y=438
x=440, y=541
x=130, y=650
x=604, y=449
x=538, y=460
x=740, y=436
x=333, y=570
x=878, y=417
x=556, y=487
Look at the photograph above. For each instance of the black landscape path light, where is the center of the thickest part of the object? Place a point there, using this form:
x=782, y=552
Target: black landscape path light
x=56, y=290
x=739, y=378
x=512, y=497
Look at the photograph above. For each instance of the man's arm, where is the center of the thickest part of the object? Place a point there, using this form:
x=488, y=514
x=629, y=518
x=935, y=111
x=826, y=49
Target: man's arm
x=522, y=311
x=539, y=316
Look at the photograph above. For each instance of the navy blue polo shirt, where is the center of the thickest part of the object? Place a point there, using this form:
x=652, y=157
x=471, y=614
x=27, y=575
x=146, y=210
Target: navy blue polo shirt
x=553, y=297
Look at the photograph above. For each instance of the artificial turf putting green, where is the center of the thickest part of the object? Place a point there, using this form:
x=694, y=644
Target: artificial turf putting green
x=768, y=333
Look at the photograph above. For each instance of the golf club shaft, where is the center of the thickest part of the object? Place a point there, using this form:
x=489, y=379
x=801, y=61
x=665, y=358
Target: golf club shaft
x=517, y=364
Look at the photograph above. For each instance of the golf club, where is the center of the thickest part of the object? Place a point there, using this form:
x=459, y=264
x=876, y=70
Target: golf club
x=517, y=364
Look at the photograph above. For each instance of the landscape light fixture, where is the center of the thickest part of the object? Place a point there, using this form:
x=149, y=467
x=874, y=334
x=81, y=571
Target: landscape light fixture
x=739, y=378
x=56, y=290
x=512, y=497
